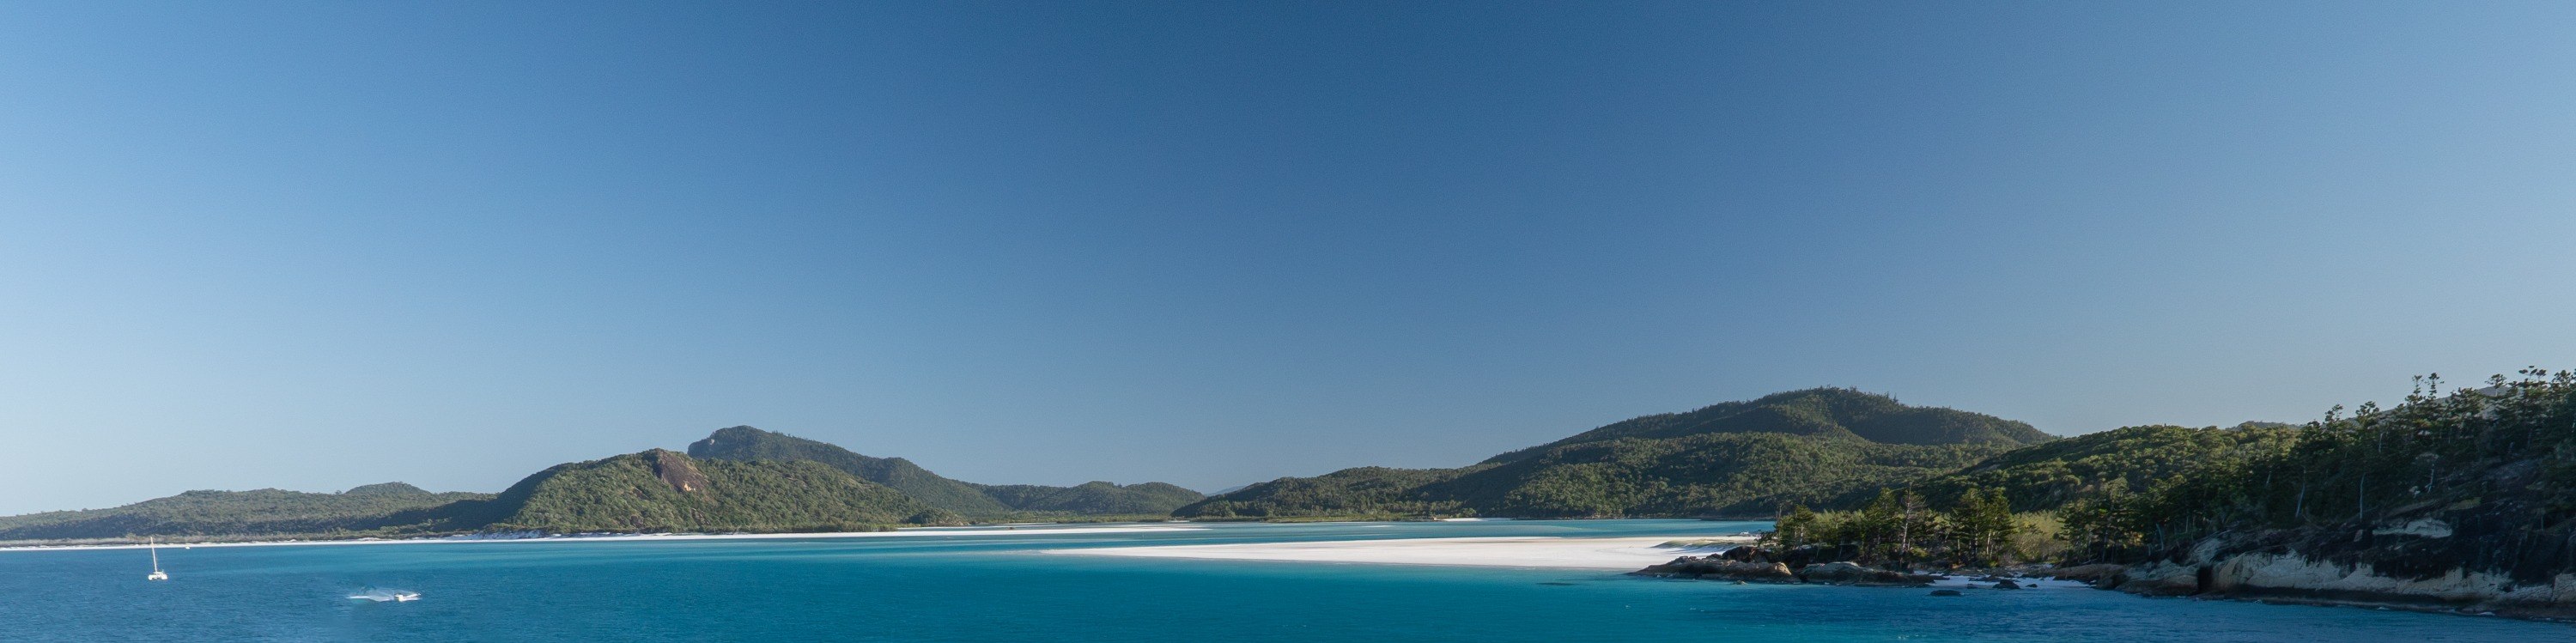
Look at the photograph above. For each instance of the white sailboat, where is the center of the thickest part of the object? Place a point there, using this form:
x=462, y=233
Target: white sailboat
x=155, y=546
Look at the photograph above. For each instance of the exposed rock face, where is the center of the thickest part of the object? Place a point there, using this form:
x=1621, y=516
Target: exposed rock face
x=2159, y=579
x=2263, y=574
x=2423, y=527
x=2222, y=567
x=677, y=471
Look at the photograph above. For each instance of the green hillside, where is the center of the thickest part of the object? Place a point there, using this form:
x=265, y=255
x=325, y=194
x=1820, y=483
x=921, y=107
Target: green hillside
x=1822, y=412
x=747, y=443
x=1740, y=458
x=659, y=490
x=1095, y=497
x=965, y=498
x=2475, y=480
x=1717, y=474
x=2048, y=475
x=1362, y=491
x=391, y=507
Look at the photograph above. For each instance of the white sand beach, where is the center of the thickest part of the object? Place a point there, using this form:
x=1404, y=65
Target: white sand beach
x=1627, y=553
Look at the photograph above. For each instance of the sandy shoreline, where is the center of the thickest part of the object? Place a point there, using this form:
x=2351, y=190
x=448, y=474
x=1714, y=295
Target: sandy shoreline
x=947, y=532
x=1624, y=554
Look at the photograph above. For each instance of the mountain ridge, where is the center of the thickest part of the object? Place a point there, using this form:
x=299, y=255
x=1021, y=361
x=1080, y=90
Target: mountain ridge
x=659, y=490
x=965, y=498
x=750, y=443
x=1733, y=458
x=1821, y=411
x=258, y=512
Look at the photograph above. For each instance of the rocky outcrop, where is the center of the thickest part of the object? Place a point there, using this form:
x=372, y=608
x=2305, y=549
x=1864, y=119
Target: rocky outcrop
x=2095, y=573
x=1721, y=568
x=2222, y=567
x=1845, y=573
x=1725, y=567
x=2159, y=579
x=676, y=470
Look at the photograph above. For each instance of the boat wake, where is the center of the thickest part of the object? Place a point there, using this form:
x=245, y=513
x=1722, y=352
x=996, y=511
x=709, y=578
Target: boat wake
x=386, y=595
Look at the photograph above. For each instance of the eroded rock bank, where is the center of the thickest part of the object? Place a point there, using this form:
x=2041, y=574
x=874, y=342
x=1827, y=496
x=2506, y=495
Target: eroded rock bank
x=2220, y=568
x=2242, y=568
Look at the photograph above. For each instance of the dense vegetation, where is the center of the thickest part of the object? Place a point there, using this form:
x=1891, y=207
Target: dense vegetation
x=1733, y=474
x=738, y=479
x=1367, y=492
x=964, y=498
x=1967, y=517
x=2046, y=476
x=1899, y=527
x=2477, y=479
x=386, y=508
x=1823, y=412
x=1093, y=498
x=1817, y=446
x=664, y=491
x=747, y=443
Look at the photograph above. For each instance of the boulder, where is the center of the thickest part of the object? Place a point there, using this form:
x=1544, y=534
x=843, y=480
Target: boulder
x=2160, y=579
x=1714, y=566
x=1843, y=573
x=2095, y=573
x=1771, y=572
x=1833, y=573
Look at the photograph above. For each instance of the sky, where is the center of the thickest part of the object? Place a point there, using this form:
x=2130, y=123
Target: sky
x=318, y=245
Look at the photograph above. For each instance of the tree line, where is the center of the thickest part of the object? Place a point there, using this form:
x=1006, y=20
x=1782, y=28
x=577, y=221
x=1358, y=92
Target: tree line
x=2494, y=464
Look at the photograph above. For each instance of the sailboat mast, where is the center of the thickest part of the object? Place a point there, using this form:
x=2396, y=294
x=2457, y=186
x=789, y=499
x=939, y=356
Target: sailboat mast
x=155, y=546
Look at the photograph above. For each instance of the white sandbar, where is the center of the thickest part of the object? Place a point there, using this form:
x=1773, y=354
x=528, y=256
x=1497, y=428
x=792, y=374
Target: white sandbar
x=1522, y=551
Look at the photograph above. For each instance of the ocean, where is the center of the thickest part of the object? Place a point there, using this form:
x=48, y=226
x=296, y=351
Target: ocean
x=999, y=585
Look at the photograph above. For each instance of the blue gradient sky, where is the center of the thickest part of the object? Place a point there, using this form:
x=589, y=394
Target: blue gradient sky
x=316, y=245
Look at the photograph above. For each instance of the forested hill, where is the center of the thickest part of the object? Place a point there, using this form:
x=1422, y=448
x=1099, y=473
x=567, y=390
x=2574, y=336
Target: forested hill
x=965, y=498
x=2120, y=461
x=738, y=479
x=665, y=491
x=2470, y=493
x=1094, y=498
x=747, y=443
x=260, y=512
x=2462, y=500
x=1822, y=412
x=1815, y=446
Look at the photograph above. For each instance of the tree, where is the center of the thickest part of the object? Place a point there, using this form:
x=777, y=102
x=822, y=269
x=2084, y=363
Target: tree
x=1796, y=527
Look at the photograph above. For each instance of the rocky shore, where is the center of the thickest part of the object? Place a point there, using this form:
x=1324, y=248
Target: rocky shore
x=2217, y=569
x=1750, y=565
x=2240, y=568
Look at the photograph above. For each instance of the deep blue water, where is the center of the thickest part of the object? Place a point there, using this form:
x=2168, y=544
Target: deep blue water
x=991, y=588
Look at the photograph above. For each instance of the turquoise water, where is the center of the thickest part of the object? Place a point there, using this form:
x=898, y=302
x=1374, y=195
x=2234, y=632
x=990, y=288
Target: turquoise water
x=992, y=588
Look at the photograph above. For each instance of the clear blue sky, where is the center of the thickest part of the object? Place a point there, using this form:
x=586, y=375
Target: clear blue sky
x=316, y=245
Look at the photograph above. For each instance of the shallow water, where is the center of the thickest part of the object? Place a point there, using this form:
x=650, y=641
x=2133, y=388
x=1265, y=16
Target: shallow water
x=991, y=587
